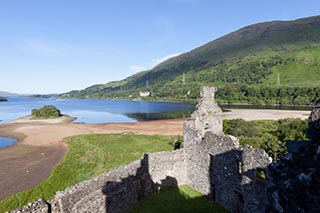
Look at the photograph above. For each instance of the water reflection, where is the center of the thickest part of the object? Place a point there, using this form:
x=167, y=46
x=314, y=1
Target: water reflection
x=159, y=116
x=95, y=111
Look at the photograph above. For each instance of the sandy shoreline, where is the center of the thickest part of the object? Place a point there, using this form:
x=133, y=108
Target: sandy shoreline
x=264, y=114
x=41, y=146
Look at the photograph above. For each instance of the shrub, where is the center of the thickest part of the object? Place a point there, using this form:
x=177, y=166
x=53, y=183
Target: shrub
x=269, y=135
x=46, y=112
x=177, y=142
x=240, y=127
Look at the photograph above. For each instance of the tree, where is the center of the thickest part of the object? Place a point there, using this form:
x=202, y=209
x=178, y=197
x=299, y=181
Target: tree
x=272, y=145
x=46, y=112
x=291, y=129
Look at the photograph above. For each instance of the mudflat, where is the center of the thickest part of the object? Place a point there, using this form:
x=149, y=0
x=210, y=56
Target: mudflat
x=41, y=144
x=24, y=166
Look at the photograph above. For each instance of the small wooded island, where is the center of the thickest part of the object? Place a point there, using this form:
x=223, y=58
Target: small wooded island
x=46, y=112
x=3, y=98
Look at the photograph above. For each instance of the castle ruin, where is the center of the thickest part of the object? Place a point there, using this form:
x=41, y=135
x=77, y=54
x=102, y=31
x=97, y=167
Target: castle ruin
x=210, y=162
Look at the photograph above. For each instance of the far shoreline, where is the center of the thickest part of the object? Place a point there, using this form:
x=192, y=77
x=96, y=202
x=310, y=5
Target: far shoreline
x=267, y=106
x=231, y=113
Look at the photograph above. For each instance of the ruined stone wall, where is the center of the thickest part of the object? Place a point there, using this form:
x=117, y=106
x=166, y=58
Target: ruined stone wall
x=119, y=189
x=227, y=174
x=295, y=177
x=38, y=206
x=254, y=163
x=210, y=162
x=208, y=115
x=217, y=166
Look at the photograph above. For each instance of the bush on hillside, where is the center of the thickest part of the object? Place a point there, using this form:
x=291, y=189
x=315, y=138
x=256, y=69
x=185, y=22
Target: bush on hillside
x=46, y=112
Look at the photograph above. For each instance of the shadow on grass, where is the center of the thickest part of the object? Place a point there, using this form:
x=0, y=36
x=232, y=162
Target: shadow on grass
x=177, y=199
x=139, y=193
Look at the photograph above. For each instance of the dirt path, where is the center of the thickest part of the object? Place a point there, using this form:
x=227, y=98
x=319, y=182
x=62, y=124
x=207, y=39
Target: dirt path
x=41, y=147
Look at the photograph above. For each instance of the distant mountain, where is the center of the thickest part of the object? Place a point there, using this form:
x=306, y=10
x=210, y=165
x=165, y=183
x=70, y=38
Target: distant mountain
x=42, y=95
x=7, y=94
x=272, y=55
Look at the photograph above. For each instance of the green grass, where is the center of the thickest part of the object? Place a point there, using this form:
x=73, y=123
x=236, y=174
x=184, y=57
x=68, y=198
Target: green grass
x=182, y=199
x=249, y=56
x=89, y=156
x=301, y=70
x=296, y=75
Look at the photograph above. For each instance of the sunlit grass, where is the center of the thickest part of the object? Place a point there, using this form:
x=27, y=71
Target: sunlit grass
x=89, y=156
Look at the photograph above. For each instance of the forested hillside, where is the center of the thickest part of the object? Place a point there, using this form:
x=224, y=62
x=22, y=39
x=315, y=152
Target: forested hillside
x=267, y=63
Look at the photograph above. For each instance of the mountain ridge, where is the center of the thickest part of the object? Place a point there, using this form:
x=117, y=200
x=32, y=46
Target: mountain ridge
x=244, y=31
x=248, y=56
x=7, y=94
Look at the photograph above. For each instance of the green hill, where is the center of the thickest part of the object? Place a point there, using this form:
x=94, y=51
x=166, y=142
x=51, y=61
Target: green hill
x=267, y=63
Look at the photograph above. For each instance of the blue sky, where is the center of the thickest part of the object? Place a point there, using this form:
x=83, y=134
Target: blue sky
x=53, y=46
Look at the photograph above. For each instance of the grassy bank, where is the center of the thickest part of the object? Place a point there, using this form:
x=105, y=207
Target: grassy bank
x=181, y=199
x=89, y=156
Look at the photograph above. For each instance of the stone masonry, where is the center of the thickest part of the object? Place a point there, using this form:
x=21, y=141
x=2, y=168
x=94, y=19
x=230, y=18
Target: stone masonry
x=210, y=162
x=217, y=166
x=119, y=189
x=295, y=178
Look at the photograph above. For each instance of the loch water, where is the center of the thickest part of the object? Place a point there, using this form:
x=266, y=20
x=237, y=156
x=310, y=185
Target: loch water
x=93, y=111
x=5, y=142
x=107, y=111
x=97, y=111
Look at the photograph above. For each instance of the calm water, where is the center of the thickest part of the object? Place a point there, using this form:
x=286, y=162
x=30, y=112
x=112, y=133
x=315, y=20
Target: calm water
x=103, y=111
x=93, y=111
x=4, y=142
x=97, y=111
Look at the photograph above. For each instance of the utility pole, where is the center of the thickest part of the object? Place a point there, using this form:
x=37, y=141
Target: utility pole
x=183, y=79
x=278, y=79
